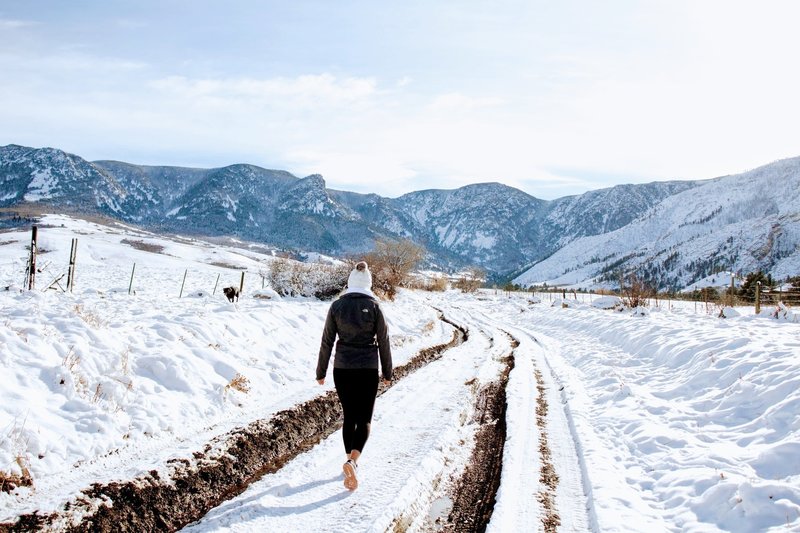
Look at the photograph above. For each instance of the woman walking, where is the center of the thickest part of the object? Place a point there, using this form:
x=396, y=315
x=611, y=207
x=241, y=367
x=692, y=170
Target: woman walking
x=357, y=319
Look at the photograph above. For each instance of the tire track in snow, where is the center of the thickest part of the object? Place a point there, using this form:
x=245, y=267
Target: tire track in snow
x=224, y=469
x=547, y=476
x=565, y=485
x=527, y=483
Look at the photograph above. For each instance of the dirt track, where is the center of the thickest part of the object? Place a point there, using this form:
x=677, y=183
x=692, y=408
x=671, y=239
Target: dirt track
x=473, y=494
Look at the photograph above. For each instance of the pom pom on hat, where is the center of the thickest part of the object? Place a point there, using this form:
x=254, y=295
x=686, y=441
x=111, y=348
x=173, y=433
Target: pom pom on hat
x=360, y=277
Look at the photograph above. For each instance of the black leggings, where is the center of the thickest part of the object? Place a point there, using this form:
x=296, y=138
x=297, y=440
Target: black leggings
x=357, y=388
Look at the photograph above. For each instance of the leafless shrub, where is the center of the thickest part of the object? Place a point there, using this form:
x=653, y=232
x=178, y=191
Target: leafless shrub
x=292, y=278
x=431, y=283
x=391, y=263
x=470, y=280
x=437, y=284
x=636, y=292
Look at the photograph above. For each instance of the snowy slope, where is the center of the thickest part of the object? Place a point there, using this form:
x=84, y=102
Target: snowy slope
x=741, y=223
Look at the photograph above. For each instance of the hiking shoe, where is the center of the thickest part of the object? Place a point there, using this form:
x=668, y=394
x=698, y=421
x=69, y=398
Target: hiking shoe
x=350, y=481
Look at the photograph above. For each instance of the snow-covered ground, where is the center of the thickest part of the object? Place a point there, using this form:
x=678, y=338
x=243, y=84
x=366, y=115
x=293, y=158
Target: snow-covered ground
x=668, y=420
x=102, y=384
x=684, y=421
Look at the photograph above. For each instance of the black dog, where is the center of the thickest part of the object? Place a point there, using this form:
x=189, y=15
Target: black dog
x=231, y=293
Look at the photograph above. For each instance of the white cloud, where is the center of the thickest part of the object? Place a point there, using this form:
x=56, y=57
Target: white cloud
x=10, y=24
x=61, y=62
x=362, y=171
x=131, y=24
x=460, y=102
x=307, y=90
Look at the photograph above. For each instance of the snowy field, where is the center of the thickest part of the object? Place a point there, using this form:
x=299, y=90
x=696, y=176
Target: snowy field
x=668, y=420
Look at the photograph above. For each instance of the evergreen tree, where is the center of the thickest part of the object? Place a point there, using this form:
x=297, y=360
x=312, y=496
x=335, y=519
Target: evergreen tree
x=795, y=281
x=748, y=288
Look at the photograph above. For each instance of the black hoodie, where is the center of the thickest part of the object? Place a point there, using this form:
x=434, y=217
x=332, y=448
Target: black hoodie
x=358, y=321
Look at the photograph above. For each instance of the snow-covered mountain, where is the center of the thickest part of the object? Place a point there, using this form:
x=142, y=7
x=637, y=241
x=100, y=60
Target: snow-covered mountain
x=670, y=232
x=502, y=228
x=240, y=200
x=739, y=223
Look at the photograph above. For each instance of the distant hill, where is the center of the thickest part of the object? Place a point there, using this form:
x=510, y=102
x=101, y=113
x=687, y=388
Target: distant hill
x=739, y=223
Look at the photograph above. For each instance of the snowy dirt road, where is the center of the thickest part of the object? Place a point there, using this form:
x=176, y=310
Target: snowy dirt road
x=422, y=440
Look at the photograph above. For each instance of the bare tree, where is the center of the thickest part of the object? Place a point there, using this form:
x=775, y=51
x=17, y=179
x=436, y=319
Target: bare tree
x=391, y=262
x=636, y=292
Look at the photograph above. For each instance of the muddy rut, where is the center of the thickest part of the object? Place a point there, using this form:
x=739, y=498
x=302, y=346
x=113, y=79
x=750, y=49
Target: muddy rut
x=473, y=493
x=223, y=469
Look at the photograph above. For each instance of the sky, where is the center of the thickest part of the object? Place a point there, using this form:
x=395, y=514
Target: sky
x=555, y=98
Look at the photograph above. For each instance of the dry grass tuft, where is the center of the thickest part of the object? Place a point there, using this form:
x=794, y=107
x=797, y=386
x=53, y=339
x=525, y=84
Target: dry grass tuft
x=240, y=383
x=87, y=316
x=11, y=480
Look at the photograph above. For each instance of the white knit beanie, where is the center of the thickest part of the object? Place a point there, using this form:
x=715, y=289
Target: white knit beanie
x=360, y=277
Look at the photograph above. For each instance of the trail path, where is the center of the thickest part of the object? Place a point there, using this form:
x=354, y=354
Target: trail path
x=422, y=436
x=418, y=434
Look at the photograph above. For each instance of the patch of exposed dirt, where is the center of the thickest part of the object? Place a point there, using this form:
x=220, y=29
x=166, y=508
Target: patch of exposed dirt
x=229, y=266
x=9, y=482
x=143, y=246
x=547, y=476
x=223, y=469
x=474, y=493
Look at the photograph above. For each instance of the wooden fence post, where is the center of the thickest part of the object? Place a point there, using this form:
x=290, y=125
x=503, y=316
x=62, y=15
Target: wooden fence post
x=183, y=282
x=130, y=285
x=32, y=259
x=73, y=251
x=758, y=297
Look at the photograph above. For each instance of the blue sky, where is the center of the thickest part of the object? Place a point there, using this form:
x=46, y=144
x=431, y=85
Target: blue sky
x=555, y=98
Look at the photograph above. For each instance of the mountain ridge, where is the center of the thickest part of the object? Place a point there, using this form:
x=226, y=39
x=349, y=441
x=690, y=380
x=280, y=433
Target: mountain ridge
x=497, y=227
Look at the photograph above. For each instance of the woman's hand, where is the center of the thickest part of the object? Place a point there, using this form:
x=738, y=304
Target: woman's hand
x=321, y=381
x=387, y=382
